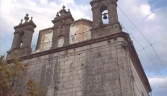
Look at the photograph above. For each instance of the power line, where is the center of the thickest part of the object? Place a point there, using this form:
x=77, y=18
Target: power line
x=158, y=57
x=152, y=44
x=127, y=32
x=155, y=66
x=133, y=24
x=134, y=38
x=144, y=37
x=107, y=47
x=148, y=56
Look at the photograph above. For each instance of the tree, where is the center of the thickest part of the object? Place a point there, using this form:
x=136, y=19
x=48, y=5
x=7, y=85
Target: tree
x=11, y=77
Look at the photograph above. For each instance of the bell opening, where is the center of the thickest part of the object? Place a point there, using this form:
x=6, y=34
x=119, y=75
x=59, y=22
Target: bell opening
x=105, y=19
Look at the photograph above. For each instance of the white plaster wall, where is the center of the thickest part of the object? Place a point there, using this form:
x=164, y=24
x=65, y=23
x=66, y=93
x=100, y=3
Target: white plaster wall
x=79, y=34
x=49, y=37
x=73, y=32
x=137, y=83
x=87, y=34
x=46, y=41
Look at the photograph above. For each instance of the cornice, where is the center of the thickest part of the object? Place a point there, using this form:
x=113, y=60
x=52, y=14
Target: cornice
x=23, y=28
x=135, y=59
x=25, y=24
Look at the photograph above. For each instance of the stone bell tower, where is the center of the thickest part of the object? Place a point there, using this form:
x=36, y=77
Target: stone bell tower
x=105, y=9
x=61, y=28
x=21, y=45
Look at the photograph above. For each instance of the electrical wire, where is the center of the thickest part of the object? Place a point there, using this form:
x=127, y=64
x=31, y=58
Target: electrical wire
x=153, y=44
x=133, y=24
x=144, y=37
x=148, y=56
x=155, y=66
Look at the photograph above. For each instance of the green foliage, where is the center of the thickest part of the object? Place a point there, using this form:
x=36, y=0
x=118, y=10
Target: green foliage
x=32, y=90
x=11, y=77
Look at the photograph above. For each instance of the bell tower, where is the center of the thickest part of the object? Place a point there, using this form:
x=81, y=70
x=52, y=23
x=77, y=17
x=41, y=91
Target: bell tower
x=61, y=28
x=104, y=10
x=21, y=45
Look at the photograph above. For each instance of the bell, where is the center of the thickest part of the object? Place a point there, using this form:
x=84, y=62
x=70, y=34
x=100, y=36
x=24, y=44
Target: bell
x=105, y=16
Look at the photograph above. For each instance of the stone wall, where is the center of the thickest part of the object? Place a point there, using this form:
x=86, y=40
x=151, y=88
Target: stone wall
x=98, y=69
x=139, y=89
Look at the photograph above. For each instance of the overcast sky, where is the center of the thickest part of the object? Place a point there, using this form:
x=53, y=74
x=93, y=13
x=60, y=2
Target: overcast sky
x=150, y=17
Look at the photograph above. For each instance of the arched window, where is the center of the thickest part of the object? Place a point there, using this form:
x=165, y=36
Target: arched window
x=104, y=14
x=21, y=38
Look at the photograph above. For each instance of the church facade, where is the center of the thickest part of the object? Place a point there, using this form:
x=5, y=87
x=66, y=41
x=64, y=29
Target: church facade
x=82, y=57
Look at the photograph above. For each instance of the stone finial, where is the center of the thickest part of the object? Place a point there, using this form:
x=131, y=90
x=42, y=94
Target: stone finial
x=26, y=18
x=31, y=19
x=21, y=21
x=69, y=11
x=63, y=7
x=63, y=11
x=57, y=14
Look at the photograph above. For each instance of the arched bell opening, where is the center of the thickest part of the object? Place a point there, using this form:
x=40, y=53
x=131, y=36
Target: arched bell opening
x=104, y=15
x=21, y=39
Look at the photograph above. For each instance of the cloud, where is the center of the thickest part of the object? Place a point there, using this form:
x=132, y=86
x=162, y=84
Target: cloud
x=67, y=1
x=151, y=21
x=145, y=10
x=43, y=1
x=43, y=12
x=159, y=86
x=152, y=24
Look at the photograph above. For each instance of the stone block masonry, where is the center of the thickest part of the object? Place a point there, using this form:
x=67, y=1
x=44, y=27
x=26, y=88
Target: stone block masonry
x=98, y=69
